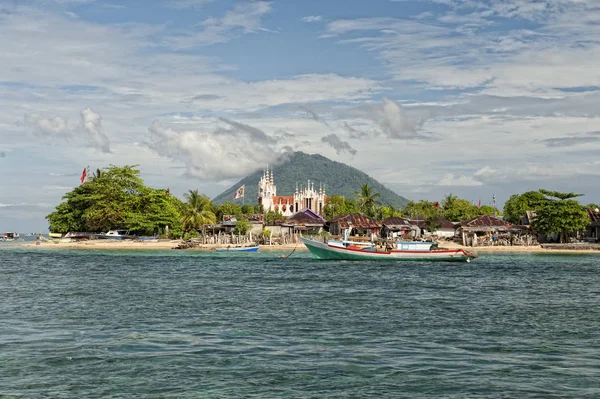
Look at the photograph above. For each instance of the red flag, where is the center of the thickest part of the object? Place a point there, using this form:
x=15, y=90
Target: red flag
x=479, y=204
x=83, y=175
x=436, y=204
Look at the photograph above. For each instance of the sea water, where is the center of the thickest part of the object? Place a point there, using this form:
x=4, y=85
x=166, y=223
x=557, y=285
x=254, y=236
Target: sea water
x=85, y=324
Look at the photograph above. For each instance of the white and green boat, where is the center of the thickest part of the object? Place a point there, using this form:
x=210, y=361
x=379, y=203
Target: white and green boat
x=403, y=251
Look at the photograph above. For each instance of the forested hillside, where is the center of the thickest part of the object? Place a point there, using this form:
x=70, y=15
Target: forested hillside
x=337, y=178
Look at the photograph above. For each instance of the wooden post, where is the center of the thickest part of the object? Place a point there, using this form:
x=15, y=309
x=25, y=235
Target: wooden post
x=464, y=239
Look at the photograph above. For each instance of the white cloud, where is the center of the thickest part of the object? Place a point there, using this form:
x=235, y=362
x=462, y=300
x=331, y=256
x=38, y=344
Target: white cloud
x=244, y=17
x=312, y=18
x=53, y=126
x=218, y=154
x=394, y=120
x=91, y=125
x=458, y=181
x=187, y=3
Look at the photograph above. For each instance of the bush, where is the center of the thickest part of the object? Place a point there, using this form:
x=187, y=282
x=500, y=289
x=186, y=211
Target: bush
x=191, y=234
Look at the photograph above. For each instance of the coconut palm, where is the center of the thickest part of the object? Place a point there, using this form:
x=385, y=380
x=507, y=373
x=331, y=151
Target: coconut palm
x=198, y=210
x=449, y=201
x=367, y=200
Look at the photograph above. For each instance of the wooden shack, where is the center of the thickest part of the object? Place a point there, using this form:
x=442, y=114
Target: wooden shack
x=305, y=221
x=489, y=230
x=396, y=227
x=359, y=225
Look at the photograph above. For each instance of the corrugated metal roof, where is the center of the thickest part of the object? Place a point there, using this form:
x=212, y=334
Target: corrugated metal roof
x=486, y=221
x=594, y=216
x=355, y=220
x=397, y=224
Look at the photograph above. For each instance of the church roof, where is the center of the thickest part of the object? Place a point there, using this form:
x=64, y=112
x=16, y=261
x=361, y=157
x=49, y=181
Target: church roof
x=283, y=199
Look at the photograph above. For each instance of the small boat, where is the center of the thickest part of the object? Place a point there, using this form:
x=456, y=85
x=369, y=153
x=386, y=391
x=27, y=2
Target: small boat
x=403, y=251
x=114, y=235
x=10, y=236
x=239, y=249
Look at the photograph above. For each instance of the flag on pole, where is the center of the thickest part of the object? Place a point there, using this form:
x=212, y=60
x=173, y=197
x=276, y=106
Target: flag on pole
x=479, y=204
x=239, y=193
x=83, y=175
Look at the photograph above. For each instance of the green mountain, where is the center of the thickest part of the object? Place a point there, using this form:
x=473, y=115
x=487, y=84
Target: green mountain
x=337, y=178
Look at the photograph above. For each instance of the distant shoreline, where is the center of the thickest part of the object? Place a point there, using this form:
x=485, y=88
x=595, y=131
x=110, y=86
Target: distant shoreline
x=172, y=244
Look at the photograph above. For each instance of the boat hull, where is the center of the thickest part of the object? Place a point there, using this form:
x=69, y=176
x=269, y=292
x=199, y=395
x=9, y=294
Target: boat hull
x=241, y=249
x=323, y=251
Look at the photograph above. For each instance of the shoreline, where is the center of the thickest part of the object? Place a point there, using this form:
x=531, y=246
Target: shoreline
x=172, y=244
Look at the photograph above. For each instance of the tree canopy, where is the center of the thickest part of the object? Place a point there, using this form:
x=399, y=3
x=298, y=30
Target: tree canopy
x=116, y=197
x=516, y=206
x=559, y=214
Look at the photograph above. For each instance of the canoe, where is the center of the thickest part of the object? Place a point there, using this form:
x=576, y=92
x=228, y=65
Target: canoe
x=239, y=249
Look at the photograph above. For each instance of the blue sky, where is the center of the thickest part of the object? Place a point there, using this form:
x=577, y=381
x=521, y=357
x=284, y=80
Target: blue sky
x=473, y=97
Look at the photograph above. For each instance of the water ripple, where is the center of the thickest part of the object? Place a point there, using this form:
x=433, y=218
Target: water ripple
x=193, y=325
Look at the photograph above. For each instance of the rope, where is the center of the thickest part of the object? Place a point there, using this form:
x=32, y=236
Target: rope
x=290, y=254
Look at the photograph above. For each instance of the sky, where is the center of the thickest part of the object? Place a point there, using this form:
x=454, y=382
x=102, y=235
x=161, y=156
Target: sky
x=471, y=97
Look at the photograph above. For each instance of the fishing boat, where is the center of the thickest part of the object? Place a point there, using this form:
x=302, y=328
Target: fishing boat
x=114, y=235
x=10, y=236
x=239, y=249
x=402, y=251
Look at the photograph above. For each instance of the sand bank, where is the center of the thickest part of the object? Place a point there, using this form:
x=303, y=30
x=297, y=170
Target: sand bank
x=142, y=245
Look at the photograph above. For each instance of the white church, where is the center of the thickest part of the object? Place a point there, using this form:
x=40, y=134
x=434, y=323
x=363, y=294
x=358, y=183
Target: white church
x=304, y=197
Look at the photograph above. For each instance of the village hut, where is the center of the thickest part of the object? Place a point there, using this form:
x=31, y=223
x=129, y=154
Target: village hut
x=396, y=227
x=304, y=221
x=359, y=225
x=445, y=229
x=489, y=230
x=421, y=225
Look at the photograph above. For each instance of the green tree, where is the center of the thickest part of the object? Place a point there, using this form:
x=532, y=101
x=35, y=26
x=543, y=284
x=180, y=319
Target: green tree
x=487, y=210
x=153, y=210
x=461, y=210
x=560, y=214
x=271, y=217
x=516, y=206
x=338, y=205
x=449, y=201
x=422, y=209
x=198, y=210
x=242, y=227
x=115, y=197
x=248, y=209
x=367, y=200
x=387, y=211
x=228, y=208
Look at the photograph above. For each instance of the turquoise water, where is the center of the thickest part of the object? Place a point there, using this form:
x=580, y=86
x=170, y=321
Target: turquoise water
x=206, y=325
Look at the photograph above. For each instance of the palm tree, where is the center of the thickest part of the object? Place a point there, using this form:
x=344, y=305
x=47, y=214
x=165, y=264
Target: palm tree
x=367, y=199
x=449, y=201
x=198, y=211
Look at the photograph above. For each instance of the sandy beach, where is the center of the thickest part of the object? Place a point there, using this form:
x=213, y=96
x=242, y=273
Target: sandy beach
x=172, y=244
x=142, y=245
